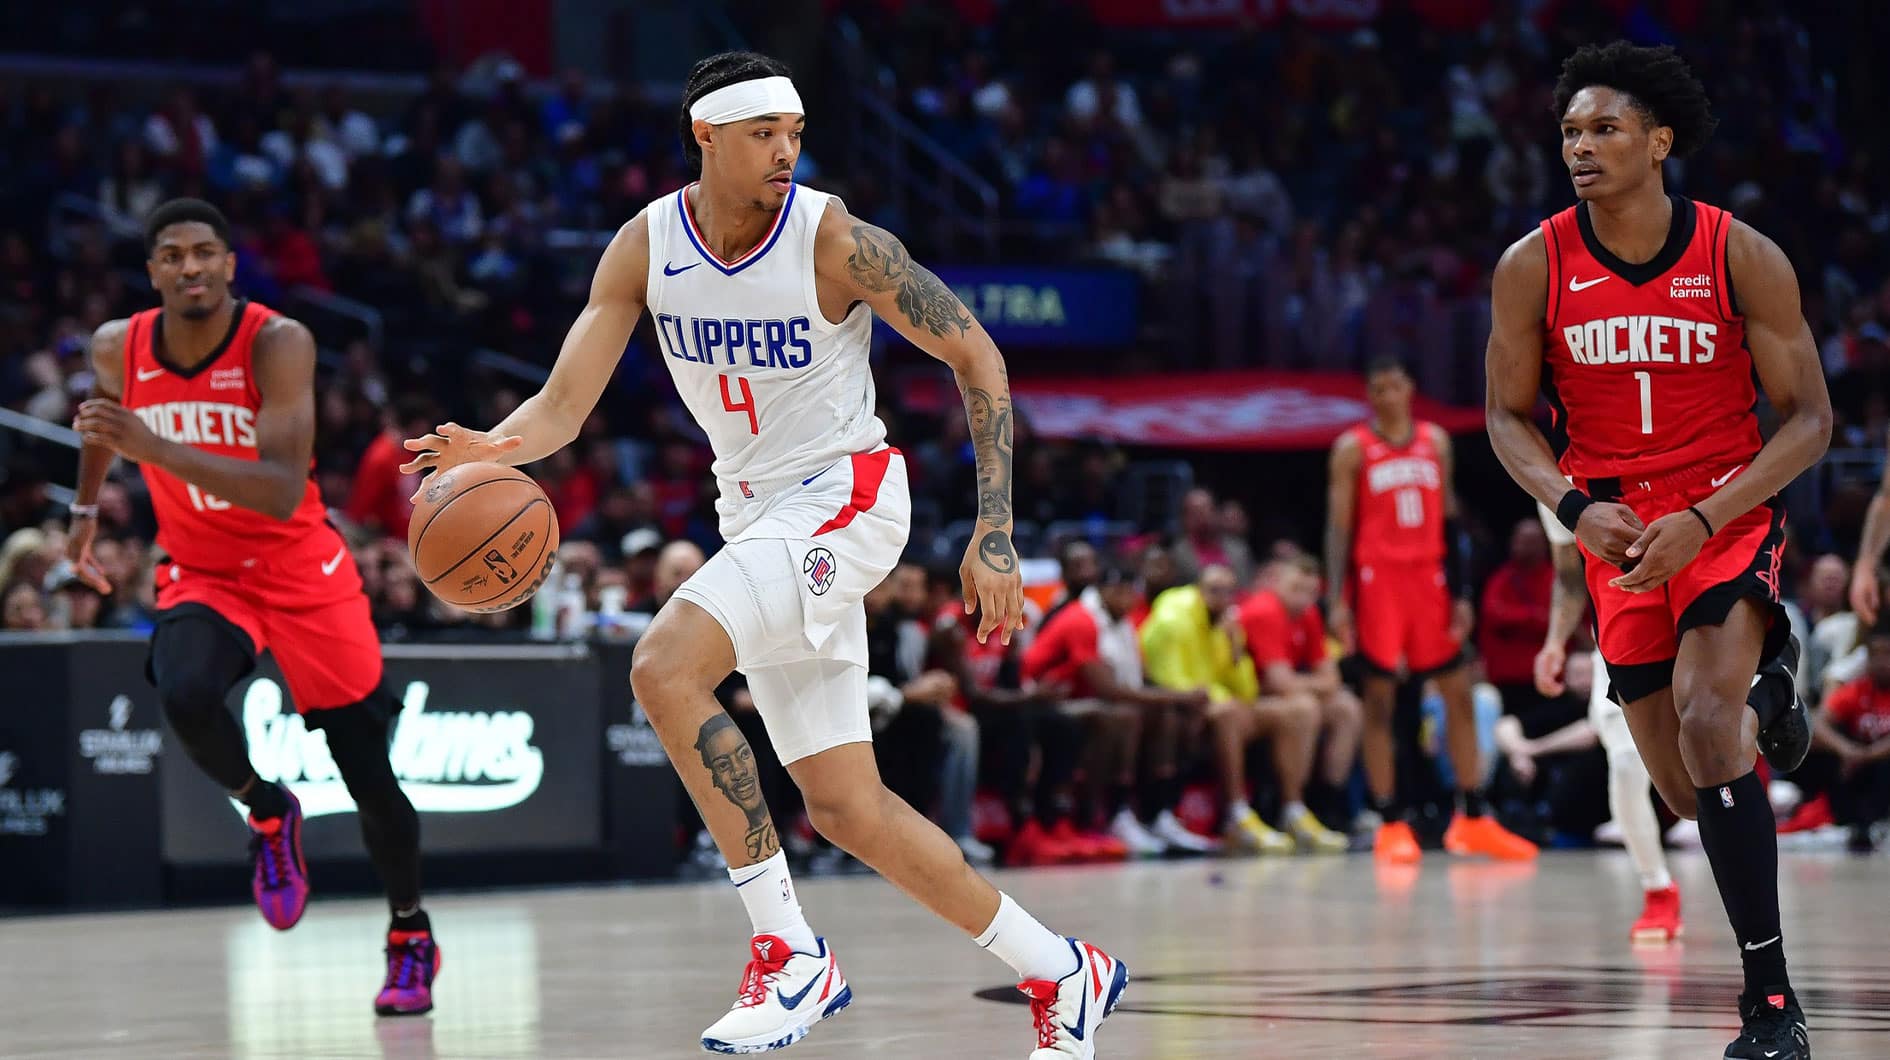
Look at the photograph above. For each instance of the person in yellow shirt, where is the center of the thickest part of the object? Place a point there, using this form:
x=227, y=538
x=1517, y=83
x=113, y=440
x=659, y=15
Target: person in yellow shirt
x=1193, y=640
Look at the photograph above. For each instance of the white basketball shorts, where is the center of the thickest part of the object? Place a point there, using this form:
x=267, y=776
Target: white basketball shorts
x=788, y=589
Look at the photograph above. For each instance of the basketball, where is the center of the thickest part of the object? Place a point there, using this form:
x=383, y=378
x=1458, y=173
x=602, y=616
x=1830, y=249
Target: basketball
x=483, y=537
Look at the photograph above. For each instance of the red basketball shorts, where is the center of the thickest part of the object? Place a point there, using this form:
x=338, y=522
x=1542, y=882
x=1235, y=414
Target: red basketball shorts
x=1402, y=614
x=1639, y=633
x=305, y=608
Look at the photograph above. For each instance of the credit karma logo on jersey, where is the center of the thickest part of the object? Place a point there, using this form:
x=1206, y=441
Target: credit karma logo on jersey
x=447, y=761
x=1642, y=340
x=1699, y=285
x=201, y=423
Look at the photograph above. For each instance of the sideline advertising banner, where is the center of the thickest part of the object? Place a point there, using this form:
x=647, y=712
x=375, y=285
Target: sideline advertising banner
x=80, y=750
x=1029, y=306
x=496, y=745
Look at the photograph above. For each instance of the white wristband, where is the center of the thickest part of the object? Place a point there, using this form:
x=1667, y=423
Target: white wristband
x=83, y=511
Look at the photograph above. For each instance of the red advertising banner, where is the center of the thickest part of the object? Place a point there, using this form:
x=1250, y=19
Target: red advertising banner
x=1213, y=410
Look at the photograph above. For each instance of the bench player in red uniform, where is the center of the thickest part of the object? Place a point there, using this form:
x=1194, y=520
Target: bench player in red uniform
x=1645, y=317
x=1386, y=542
x=214, y=398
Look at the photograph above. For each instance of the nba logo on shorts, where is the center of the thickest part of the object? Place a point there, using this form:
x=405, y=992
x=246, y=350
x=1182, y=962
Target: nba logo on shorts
x=819, y=568
x=1725, y=797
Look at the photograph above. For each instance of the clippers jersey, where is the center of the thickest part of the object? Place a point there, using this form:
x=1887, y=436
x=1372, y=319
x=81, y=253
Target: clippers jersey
x=782, y=393
x=1646, y=366
x=213, y=408
x=1399, y=513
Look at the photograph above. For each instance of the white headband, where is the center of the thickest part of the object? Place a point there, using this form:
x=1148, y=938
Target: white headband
x=747, y=99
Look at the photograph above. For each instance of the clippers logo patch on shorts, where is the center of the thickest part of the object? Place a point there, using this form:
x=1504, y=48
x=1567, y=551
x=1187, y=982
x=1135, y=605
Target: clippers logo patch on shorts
x=819, y=568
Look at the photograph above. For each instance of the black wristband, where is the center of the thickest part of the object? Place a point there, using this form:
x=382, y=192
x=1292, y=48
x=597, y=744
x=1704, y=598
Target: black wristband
x=1701, y=516
x=1569, y=510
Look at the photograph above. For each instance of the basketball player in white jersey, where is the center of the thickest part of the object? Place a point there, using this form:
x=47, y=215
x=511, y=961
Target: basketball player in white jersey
x=1629, y=796
x=763, y=295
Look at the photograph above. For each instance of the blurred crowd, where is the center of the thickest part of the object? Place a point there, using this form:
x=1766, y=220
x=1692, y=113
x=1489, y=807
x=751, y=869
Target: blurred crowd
x=1290, y=197
x=1302, y=198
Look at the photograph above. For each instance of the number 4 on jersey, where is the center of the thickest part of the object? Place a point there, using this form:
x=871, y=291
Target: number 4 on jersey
x=746, y=404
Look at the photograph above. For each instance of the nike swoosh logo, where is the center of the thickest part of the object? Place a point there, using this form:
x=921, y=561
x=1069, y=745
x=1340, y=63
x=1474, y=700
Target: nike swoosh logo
x=1771, y=1052
x=335, y=564
x=1727, y=477
x=146, y=377
x=819, y=473
x=1762, y=945
x=793, y=1001
x=753, y=878
x=1082, y=1014
x=671, y=270
x=1577, y=285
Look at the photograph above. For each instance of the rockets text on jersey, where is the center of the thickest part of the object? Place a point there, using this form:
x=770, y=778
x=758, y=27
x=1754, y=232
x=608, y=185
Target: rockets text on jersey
x=1399, y=512
x=212, y=407
x=1645, y=365
x=782, y=392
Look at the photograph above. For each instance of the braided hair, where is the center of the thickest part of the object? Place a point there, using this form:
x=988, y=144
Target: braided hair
x=720, y=71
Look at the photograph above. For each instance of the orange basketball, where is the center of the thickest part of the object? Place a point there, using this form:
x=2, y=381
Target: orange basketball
x=483, y=536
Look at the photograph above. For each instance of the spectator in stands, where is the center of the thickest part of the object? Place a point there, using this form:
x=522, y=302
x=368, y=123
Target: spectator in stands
x=75, y=605
x=1090, y=649
x=1514, y=617
x=1832, y=630
x=26, y=557
x=1205, y=541
x=1193, y=641
x=1019, y=721
x=131, y=190
x=1855, y=726
x=1078, y=565
x=1286, y=636
x=1549, y=758
x=926, y=748
x=380, y=498
x=22, y=610
x=23, y=499
x=675, y=564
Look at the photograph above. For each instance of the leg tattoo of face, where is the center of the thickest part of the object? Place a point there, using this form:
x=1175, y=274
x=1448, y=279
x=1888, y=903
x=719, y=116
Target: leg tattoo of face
x=731, y=764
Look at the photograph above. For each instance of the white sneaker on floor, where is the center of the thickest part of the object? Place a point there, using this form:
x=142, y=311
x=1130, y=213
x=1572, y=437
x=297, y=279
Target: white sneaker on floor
x=1685, y=834
x=1169, y=829
x=1135, y=835
x=1067, y=1012
x=783, y=994
x=975, y=852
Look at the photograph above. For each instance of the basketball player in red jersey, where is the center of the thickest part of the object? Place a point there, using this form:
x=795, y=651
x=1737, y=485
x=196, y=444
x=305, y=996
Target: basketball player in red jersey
x=1390, y=502
x=1644, y=317
x=214, y=398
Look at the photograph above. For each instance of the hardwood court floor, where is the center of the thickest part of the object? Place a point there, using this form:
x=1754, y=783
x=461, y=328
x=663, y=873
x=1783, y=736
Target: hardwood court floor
x=1295, y=958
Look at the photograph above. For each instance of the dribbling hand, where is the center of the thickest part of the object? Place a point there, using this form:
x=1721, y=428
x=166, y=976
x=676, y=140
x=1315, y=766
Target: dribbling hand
x=451, y=445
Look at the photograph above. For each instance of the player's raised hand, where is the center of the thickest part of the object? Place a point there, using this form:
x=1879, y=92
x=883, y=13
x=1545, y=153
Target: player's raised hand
x=1668, y=544
x=1550, y=661
x=1607, y=529
x=1866, y=594
x=451, y=445
x=993, y=584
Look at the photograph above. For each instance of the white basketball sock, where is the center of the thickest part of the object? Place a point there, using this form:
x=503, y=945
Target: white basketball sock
x=768, y=892
x=1032, y=950
x=1633, y=810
